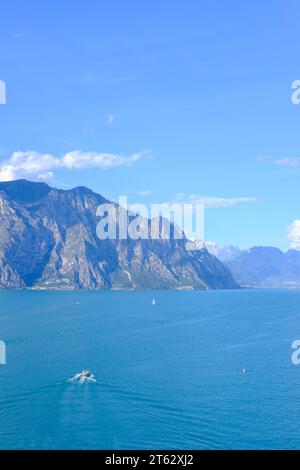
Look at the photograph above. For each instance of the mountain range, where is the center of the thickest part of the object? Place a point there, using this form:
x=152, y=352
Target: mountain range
x=260, y=266
x=48, y=240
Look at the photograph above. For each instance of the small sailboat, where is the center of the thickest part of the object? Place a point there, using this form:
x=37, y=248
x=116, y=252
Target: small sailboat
x=153, y=302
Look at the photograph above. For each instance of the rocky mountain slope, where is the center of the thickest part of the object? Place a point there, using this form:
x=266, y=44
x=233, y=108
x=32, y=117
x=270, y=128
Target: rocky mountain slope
x=48, y=240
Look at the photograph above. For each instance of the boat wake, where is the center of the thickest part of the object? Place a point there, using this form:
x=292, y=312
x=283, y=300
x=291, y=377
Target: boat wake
x=83, y=377
x=82, y=380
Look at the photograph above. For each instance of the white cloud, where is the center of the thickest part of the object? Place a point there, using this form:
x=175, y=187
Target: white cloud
x=145, y=192
x=289, y=162
x=214, y=202
x=37, y=166
x=293, y=234
x=81, y=160
x=110, y=119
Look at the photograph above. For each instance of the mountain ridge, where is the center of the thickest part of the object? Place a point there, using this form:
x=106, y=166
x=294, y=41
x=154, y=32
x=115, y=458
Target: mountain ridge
x=263, y=267
x=48, y=240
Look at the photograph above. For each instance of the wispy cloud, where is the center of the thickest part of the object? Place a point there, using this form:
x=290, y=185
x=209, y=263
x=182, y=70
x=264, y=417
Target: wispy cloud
x=145, y=192
x=110, y=119
x=213, y=202
x=289, y=162
x=293, y=234
x=38, y=166
x=19, y=35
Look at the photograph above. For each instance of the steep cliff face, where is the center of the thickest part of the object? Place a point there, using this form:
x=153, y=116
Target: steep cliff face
x=48, y=239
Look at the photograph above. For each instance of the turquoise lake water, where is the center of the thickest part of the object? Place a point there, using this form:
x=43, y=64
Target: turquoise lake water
x=169, y=375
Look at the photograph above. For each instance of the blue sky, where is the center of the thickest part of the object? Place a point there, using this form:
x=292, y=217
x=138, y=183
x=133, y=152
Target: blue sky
x=190, y=97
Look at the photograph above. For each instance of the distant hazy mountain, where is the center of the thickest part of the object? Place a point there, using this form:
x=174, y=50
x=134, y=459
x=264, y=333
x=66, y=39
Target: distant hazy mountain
x=266, y=267
x=48, y=240
x=223, y=252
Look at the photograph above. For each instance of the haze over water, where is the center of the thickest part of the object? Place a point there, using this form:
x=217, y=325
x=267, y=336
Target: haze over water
x=169, y=375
